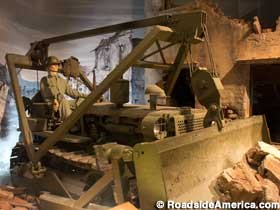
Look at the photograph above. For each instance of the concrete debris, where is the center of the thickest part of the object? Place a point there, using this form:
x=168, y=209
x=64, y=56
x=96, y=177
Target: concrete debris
x=271, y=191
x=257, y=26
x=256, y=155
x=230, y=113
x=16, y=199
x=270, y=168
x=267, y=30
x=277, y=24
x=239, y=183
x=255, y=179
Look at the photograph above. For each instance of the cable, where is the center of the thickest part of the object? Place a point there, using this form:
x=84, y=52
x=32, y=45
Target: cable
x=213, y=68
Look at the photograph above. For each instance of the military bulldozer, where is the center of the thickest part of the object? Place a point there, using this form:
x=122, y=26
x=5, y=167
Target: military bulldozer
x=127, y=152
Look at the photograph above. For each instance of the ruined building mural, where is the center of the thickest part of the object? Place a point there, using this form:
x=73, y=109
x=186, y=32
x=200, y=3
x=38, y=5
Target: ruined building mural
x=4, y=98
x=109, y=53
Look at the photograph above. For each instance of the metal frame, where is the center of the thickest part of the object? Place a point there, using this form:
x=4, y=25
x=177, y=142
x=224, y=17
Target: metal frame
x=183, y=33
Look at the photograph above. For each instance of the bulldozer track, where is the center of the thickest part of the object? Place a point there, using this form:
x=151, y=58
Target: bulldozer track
x=77, y=158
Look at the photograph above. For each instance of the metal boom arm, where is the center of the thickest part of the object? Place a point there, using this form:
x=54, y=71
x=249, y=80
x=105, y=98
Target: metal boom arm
x=178, y=22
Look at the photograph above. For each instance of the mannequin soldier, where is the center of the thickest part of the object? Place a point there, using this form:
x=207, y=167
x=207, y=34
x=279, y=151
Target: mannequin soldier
x=53, y=88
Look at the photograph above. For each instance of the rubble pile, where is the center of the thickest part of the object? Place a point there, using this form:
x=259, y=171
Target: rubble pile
x=16, y=199
x=124, y=206
x=230, y=113
x=254, y=179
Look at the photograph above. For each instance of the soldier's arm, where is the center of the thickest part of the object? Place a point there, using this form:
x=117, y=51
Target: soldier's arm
x=74, y=93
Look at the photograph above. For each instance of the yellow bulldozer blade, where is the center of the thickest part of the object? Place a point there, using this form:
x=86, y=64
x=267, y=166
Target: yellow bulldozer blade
x=183, y=168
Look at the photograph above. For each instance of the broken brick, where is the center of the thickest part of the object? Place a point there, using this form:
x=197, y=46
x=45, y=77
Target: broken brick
x=271, y=191
x=270, y=168
x=19, y=200
x=239, y=184
x=15, y=191
x=19, y=208
x=124, y=206
x=5, y=205
x=6, y=195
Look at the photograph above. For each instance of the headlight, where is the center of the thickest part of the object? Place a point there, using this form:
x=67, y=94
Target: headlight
x=154, y=127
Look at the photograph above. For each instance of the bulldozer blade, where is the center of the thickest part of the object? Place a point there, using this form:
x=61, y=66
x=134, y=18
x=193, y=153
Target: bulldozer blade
x=183, y=168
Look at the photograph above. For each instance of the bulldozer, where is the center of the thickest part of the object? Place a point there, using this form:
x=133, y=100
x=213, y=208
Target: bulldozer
x=129, y=152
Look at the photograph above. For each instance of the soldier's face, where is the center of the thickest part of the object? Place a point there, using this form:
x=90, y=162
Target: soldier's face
x=53, y=68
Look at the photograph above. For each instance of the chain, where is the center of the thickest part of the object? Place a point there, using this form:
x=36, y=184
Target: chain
x=38, y=170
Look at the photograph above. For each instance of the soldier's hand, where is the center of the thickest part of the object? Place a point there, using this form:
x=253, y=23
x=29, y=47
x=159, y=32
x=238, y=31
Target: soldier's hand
x=55, y=105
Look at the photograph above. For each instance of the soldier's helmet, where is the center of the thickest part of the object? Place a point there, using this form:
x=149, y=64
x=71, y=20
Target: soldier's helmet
x=53, y=60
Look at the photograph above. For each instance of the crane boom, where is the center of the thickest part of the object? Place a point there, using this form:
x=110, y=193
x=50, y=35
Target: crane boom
x=173, y=21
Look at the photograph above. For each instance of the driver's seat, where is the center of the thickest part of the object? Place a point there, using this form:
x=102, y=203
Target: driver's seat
x=40, y=113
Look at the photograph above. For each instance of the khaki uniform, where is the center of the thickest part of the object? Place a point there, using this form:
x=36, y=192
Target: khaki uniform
x=55, y=87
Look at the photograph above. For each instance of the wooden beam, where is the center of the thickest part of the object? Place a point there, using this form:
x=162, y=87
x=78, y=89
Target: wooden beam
x=95, y=190
x=152, y=65
x=118, y=180
x=13, y=61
